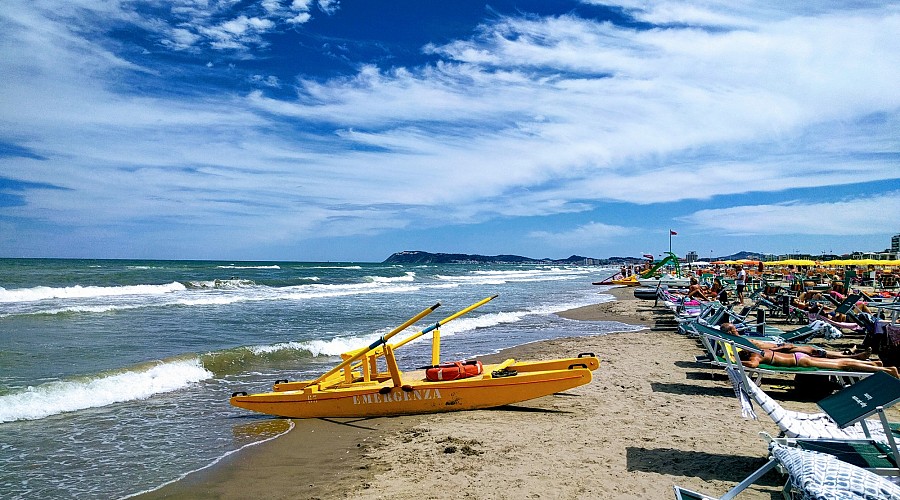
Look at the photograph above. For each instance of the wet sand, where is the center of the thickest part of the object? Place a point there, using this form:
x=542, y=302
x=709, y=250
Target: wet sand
x=651, y=418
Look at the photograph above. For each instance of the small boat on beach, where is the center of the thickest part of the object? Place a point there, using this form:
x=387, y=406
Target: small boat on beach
x=619, y=280
x=359, y=387
x=653, y=275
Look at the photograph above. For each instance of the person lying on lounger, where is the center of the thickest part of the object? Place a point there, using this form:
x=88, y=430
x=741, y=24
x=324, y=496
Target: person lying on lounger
x=809, y=350
x=831, y=314
x=811, y=304
x=797, y=358
x=805, y=299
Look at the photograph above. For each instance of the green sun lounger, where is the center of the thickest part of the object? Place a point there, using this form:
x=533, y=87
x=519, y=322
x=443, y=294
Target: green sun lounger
x=721, y=350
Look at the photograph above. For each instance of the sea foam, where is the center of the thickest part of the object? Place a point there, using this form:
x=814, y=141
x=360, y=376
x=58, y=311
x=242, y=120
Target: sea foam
x=65, y=396
x=80, y=292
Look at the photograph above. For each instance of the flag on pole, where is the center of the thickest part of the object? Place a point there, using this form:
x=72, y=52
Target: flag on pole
x=672, y=233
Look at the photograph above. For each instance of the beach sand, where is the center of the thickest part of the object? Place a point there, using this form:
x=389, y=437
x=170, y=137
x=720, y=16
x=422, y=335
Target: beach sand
x=651, y=418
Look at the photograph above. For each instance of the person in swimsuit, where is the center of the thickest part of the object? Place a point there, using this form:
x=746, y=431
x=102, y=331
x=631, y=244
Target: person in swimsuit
x=717, y=292
x=695, y=291
x=806, y=350
x=790, y=359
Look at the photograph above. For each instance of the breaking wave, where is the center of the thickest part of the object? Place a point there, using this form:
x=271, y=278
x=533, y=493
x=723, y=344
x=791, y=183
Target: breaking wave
x=91, y=392
x=83, y=292
x=232, y=266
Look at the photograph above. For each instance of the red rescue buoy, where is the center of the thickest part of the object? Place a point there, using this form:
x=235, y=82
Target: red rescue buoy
x=454, y=371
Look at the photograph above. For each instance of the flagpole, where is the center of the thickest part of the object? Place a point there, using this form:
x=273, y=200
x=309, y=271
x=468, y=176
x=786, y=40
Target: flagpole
x=670, y=241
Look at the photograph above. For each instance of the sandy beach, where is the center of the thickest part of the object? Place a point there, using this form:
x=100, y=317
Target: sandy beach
x=651, y=418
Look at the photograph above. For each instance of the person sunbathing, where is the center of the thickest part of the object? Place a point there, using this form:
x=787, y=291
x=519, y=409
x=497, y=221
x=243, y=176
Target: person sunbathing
x=695, y=291
x=833, y=315
x=809, y=350
x=791, y=359
x=812, y=305
x=861, y=304
x=717, y=292
x=804, y=300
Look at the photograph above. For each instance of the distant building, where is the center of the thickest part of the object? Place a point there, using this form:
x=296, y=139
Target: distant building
x=691, y=256
x=895, y=244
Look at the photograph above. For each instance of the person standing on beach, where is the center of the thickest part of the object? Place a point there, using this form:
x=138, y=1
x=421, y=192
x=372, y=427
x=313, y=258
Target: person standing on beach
x=741, y=282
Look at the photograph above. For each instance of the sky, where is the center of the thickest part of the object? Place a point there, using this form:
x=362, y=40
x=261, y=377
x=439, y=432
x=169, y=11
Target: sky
x=338, y=130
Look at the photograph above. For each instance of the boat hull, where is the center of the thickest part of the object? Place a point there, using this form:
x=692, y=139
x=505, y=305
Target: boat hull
x=417, y=395
x=629, y=281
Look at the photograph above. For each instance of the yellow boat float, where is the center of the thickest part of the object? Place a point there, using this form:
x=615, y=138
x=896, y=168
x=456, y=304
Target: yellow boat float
x=359, y=387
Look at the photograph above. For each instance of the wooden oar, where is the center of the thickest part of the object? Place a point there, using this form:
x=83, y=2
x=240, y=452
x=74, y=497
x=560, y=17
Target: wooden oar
x=444, y=321
x=382, y=340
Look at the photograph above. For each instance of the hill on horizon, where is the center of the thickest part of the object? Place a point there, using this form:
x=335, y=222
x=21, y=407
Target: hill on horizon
x=422, y=257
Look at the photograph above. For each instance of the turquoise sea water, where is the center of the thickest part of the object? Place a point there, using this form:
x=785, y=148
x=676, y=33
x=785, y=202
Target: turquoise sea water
x=115, y=375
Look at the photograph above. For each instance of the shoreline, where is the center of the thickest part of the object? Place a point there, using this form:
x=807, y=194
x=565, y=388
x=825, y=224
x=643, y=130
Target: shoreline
x=651, y=418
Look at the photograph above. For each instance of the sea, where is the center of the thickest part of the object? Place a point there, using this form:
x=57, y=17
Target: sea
x=115, y=375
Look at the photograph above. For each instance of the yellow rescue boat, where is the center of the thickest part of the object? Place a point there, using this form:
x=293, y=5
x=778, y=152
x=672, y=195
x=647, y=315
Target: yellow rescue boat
x=357, y=387
x=619, y=280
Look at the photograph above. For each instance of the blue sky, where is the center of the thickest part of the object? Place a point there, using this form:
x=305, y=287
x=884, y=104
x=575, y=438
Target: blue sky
x=339, y=130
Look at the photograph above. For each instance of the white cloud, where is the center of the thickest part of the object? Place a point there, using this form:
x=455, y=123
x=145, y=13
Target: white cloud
x=681, y=109
x=853, y=216
x=237, y=33
x=300, y=18
x=268, y=81
x=588, y=235
x=530, y=117
x=328, y=6
x=196, y=25
x=271, y=6
x=727, y=13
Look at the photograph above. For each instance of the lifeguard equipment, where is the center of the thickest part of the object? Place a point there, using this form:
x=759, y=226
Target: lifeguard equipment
x=358, y=387
x=454, y=371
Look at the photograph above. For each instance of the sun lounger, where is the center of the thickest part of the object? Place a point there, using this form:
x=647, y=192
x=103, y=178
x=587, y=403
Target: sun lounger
x=889, y=308
x=815, y=316
x=706, y=314
x=680, y=305
x=711, y=314
x=722, y=351
x=714, y=313
x=794, y=424
x=811, y=476
x=846, y=308
x=850, y=406
x=780, y=306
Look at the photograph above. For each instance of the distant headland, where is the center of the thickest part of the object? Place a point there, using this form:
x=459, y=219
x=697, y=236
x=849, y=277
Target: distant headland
x=420, y=257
